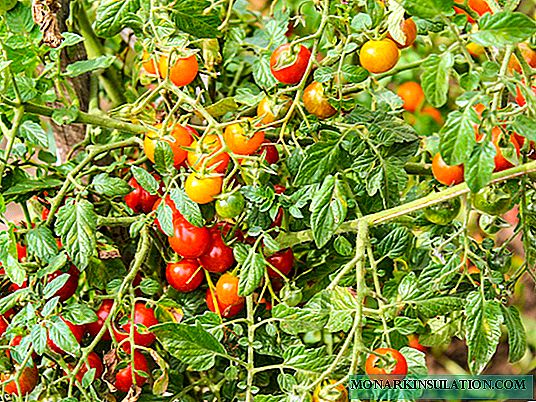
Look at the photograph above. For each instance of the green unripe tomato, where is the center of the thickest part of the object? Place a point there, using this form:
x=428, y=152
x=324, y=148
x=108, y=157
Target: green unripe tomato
x=291, y=295
x=443, y=213
x=230, y=206
x=492, y=201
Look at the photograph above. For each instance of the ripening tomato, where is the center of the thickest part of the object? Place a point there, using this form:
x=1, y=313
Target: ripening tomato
x=376, y=366
x=412, y=94
x=520, y=98
x=379, y=56
x=446, y=174
x=148, y=63
x=185, y=275
x=189, y=241
x=67, y=290
x=283, y=261
x=414, y=343
x=316, y=102
x=123, y=377
x=242, y=139
x=271, y=109
x=289, y=63
x=475, y=49
x=103, y=312
x=410, y=31
x=76, y=330
x=219, y=256
x=203, y=189
x=225, y=310
x=443, y=213
x=207, y=153
x=528, y=54
x=182, y=72
x=93, y=362
x=478, y=6
x=229, y=206
x=501, y=163
x=143, y=316
x=175, y=214
x=181, y=138
x=27, y=381
x=326, y=393
x=269, y=150
x=433, y=113
x=139, y=199
x=227, y=290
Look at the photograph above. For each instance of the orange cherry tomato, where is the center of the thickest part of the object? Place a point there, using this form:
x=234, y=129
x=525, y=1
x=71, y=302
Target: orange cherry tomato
x=181, y=137
x=528, y=54
x=375, y=366
x=148, y=64
x=410, y=30
x=412, y=94
x=475, y=49
x=315, y=101
x=478, y=6
x=206, y=153
x=227, y=290
x=182, y=72
x=379, y=56
x=225, y=310
x=203, y=189
x=414, y=343
x=241, y=140
x=270, y=109
x=27, y=381
x=433, y=113
x=446, y=174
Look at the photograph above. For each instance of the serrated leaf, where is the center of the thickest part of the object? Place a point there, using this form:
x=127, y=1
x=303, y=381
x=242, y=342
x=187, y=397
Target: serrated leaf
x=310, y=360
x=435, y=78
x=415, y=360
x=145, y=179
x=79, y=314
x=62, y=336
x=113, y=14
x=457, y=136
x=191, y=17
x=54, y=285
x=517, y=335
x=298, y=320
x=320, y=160
x=504, y=28
x=164, y=215
x=110, y=186
x=188, y=208
x=65, y=115
x=222, y=107
x=323, y=74
x=30, y=186
x=525, y=126
x=251, y=272
x=395, y=243
x=395, y=20
x=354, y=74
x=428, y=8
x=41, y=243
x=34, y=133
x=38, y=335
x=261, y=72
x=9, y=258
x=479, y=167
x=163, y=157
x=85, y=66
x=76, y=223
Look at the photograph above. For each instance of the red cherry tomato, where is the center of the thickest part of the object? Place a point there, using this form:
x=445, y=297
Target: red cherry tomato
x=283, y=261
x=189, y=241
x=140, y=200
x=123, y=377
x=219, y=256
x=102, y=313
x=226, y=311
x=17, y=339
x=21, y=252
x=412, y=94
x=3, y=325
x=288, y=64
x=93, y=361
x=144, y=316
x=185, y=275
x=27, y=381
x=375, y=366
x=414, y=343
x=182, y=72
x=67, y=290
x=316, y=102
x=446, y=174
x=77, y=331
x=227, y=290
x=269, y=150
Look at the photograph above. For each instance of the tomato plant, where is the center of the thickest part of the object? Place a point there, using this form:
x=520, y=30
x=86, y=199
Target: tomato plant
x=251, y=200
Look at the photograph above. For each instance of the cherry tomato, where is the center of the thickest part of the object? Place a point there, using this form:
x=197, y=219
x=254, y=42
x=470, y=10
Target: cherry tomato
x=475, y=49
x=189, y=241
x=21, y=252
x=77, y=331
x=412, y=94
x=316, y=102
x=93, y=361
x=410, y=31
x=182, y=72
x=501, y=163
x=271, y=109
x=45, y=212
x=27, y=381
x=185, y=275
x=446, y=174
x=103, y=312
x=139, y=200
x=242, y=139
x=219, y=256
x=478, y=6
x=148, y=64
x=17, y=339
x=203, y=189
x=226, y=311
x=174, y=211
x=379, y=56
x=443, y=213
x=143, y=316
x=181, y=138
x=67, y=290
x=123, y=377
x=375, y=366
x=326, y=393
x=414, y=343
x=227, y=290
x=433, y=113
x=3, y=325
x=283, y=261
x=290, y=294
x=520, y=99
x=206, y=153
x=288, y=63
x=528, y=54
x=492, y=201
x=229, y=206
x=269, y=150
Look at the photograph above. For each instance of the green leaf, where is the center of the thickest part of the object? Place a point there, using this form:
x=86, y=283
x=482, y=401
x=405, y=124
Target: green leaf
x=163, y=157
x=39, y=337
x=504, y=28
x=190, y=17
x=110, y=186
x=70, y=39
x=62, y=336
x=323, y=74
x=479, y=167
x=416, y=361
x=251, y=272
x=525, y=126
x=342, y=308
x=328, y=210
x=113, y=15
x=435, y=306
x=76, y=224
x=222, y=107
x=30, y=186
x=41, y=243
x=482, y=330
x=79, y=314
x=261, y=72
x=145, y=179
x=354, y=74
x=428, y=8
x=54, y=285
x=395, y=243
x=9, y=258
x=406, y=325
x=298, y=320
x=517, y=335
x=313, y=360
x=188, y=208
x=435, y=78
x=192, y=345
x=457, y=136
x=85, y=66
x=164, y=214
x=34, y=133
x=65, y=115
x=361, y=22
x=320, y=160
